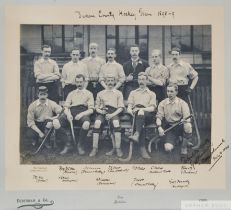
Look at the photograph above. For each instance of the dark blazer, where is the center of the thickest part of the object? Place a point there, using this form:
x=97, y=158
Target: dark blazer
x=128, y=69
x=141, y=67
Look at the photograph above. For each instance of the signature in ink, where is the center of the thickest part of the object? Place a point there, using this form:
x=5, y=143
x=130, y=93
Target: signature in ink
x=218, y=153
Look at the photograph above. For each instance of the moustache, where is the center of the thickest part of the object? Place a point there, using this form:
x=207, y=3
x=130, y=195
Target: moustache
x=109, y=57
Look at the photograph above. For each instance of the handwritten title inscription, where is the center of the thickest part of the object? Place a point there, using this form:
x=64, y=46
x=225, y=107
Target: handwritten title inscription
x=134, y=14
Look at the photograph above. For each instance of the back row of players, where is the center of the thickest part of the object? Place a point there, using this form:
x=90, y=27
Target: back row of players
x=92, y=78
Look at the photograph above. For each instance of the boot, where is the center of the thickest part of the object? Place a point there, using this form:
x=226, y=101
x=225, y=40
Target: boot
x=66, y=149
x=82, y=137
x=143, y=152
x=47, y=145
x=135, y=137
x=184, y=151
x=119, y=152
x=34, y=142
x=95, y=145
x=93, y=152
x=80, y=149
x=111, y=152
x=185, y=143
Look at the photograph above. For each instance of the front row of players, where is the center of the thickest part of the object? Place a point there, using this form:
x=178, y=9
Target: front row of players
x=43, y=114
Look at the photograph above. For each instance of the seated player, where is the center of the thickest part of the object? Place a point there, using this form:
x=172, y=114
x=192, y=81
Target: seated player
x=79, y=105
x=141, y=105
x=40, y=116
x=109, y=104
x=170, y=111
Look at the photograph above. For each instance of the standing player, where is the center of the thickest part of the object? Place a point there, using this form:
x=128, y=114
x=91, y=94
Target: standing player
x=132, y=68
x=70, y=70
x=157, y=76
x=94, y=64
x=46, y=72
x=113, y=68
x=180, y=73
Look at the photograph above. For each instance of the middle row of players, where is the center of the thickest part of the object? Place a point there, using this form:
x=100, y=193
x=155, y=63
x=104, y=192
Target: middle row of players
x=79, y=105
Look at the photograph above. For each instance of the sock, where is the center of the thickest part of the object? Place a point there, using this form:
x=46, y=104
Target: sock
x=117, y=140
x=139, y=123
x=95, y=140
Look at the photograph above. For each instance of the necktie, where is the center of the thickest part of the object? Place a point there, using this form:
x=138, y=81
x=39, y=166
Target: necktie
x=134, y=64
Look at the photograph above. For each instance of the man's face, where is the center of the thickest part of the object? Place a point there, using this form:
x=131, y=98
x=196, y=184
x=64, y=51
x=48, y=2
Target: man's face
x=111, y=55
x=142, y=80
x=93, y=49
x=171, y=92
x=79, y=83
x=134, y=52
x=110, y=82
x=75, y=55
x=46, y=52
x=42, y=96
x=156, y=57
x=175, y=55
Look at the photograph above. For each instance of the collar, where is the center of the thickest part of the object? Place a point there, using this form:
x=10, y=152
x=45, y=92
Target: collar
x=181, y=63
x=143, y=90
x=176, y=101
x=156, y=66
x=43, y=60
x=113, y=62
x=112, y=90
x=72, y=63
x=78, y=90
x=39, y=103
x=94, y=57
x=135, y=60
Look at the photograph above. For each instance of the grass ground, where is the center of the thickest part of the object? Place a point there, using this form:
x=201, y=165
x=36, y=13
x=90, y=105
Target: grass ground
x=51, y=156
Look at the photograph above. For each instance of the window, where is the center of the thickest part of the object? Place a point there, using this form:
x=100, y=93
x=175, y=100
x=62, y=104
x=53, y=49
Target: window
x=191, y=38
x=181, y=37
x=202, y=38
x=111, y=37
x=143, y=41
x=97, y=34
x=126, y=39
x=73, y=37
x=52, y=35
x=122, y=37
x=63, y=38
